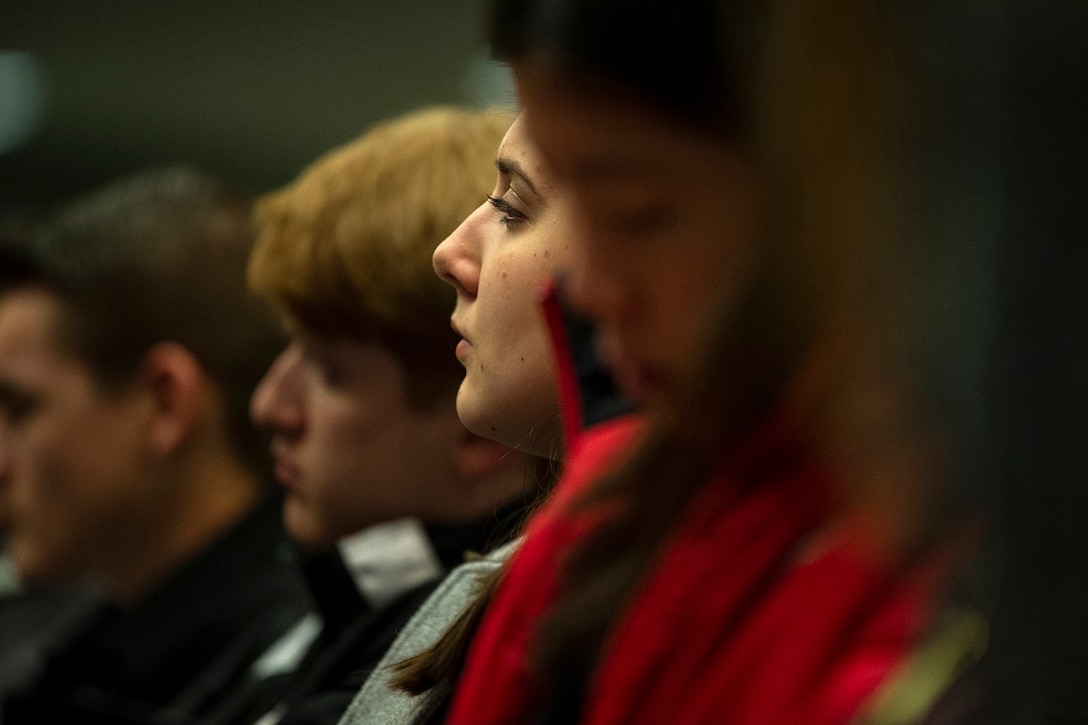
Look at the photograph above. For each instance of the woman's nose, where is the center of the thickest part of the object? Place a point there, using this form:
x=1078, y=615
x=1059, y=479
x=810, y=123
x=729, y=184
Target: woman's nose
x=456, y=259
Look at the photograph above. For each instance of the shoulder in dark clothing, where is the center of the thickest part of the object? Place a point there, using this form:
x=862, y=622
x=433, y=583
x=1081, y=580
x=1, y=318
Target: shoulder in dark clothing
x=342, y=657
x=177, y=655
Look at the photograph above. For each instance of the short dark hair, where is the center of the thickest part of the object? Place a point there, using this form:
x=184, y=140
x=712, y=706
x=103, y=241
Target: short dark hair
x=158, y=256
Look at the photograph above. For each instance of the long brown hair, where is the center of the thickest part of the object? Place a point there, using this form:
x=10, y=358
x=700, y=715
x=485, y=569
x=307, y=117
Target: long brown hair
x=815, y=94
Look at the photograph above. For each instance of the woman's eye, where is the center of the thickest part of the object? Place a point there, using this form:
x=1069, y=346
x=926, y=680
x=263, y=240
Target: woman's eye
x=510, y=215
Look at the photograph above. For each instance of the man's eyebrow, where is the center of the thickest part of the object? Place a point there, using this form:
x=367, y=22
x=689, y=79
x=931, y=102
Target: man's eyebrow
x=513, y=168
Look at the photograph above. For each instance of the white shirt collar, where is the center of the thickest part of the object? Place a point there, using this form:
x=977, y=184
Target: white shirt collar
x=388, y=559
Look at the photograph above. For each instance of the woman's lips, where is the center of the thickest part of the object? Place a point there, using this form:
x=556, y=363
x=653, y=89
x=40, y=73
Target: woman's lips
x=639, y=383
x=464, y=345
x=638, y=380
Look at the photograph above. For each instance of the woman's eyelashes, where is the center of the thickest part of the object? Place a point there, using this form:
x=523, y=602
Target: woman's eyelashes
x=510, y=215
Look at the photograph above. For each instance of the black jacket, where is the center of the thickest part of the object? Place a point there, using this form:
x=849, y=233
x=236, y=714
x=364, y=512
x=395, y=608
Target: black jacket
x=183, y=651
x=356, y=635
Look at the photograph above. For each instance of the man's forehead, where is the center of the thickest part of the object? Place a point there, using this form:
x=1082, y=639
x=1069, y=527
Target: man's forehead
x=28, y=332
x=27, y=313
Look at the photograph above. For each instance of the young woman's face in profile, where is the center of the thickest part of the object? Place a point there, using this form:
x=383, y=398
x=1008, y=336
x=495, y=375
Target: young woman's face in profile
x=662, y=223
x=498, y=260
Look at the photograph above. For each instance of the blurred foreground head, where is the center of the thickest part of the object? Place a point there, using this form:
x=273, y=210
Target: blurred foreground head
x=746, y=181
x=916, y=186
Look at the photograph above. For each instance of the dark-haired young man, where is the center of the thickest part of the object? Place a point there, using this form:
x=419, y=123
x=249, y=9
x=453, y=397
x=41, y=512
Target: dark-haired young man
x=128, y=349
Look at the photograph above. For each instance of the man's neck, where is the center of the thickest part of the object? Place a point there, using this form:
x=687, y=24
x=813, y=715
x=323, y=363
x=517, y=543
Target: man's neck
x=194, y=511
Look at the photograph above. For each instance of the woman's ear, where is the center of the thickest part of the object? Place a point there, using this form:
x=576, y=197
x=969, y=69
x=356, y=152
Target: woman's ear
x=179, y=393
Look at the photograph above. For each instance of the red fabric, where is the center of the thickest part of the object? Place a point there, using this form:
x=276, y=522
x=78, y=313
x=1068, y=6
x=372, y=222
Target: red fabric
x=497, y=656
x=759, y=612
x=566, y=373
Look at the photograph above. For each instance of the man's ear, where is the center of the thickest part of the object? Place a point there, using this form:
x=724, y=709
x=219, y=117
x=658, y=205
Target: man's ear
x=179, y=392
x=478, y=458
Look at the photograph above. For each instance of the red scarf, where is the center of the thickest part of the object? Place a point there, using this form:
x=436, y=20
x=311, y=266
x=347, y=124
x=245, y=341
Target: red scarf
x=756, y=613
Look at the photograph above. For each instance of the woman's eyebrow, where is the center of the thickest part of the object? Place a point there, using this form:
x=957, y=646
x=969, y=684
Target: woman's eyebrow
x=513, y=168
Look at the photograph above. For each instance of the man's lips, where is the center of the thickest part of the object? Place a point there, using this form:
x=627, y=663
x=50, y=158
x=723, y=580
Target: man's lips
x=287, y=471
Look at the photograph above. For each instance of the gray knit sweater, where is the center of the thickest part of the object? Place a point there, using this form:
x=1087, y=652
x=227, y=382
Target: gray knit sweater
x=376, y=703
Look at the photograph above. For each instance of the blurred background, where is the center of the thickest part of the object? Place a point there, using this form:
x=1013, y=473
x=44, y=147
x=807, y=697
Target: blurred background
x=252, y=92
